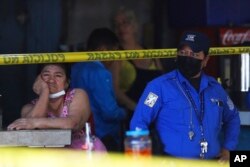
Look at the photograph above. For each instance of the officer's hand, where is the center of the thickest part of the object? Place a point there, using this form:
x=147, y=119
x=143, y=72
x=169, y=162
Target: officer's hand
x=224, y=155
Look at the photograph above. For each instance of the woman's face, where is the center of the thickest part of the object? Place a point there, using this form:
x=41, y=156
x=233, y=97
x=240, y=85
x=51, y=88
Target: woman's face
x=124, y=27
x=55, y=77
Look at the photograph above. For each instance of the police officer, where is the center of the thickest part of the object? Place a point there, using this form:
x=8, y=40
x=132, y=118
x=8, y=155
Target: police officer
x=189, y=108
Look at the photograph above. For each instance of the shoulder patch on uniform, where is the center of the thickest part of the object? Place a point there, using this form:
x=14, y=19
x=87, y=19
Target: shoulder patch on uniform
x=151, y=99
x=230, y=103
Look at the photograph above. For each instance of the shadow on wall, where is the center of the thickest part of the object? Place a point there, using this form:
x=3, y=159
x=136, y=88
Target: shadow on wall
x=12, y=91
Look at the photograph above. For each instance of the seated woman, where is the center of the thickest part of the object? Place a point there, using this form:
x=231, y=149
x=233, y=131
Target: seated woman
x=57, y=107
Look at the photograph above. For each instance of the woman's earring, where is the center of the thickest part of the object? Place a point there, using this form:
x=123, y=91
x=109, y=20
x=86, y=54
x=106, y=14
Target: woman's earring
x=67, y=84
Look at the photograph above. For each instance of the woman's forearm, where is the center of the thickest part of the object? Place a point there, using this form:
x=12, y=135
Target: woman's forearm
x=56, y=123
x=38, y=110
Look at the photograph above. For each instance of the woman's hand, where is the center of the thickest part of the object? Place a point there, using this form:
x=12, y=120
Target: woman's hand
x=40, y=86
x=22, y=123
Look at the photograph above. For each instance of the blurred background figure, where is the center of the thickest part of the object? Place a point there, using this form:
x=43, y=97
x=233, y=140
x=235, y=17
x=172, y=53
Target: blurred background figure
x=131, y=76
x=96, y=79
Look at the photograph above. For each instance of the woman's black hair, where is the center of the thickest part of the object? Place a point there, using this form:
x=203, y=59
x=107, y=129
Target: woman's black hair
x=102, y=37
x=64, y=66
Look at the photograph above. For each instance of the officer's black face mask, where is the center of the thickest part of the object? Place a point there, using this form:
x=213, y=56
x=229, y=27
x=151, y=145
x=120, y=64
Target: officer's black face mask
x=188, y=66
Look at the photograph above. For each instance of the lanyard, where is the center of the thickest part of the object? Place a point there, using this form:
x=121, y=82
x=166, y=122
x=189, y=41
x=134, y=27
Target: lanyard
x=199, y=115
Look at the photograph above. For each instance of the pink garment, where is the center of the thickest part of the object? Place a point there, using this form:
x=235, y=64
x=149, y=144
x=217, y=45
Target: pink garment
x=77, y=140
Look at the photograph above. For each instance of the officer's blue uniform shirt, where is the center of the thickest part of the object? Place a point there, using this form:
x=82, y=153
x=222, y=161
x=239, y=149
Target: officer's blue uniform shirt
x=165, y=102
x=96, y=80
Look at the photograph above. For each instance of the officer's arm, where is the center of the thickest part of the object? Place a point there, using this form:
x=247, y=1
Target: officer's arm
x=231, y=125
x=147, y=108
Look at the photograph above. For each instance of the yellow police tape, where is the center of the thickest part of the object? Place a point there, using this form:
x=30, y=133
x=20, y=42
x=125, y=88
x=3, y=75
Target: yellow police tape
x=40, y=157
x=61, y=57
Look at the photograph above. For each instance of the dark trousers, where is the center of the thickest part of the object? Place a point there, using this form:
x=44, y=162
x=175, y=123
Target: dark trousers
x=112, y=144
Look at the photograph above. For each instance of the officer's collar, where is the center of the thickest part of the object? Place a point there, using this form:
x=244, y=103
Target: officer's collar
x=203, y=80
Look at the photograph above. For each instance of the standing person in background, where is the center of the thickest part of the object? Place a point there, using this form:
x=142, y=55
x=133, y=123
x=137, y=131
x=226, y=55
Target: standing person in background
x=97, y=81
x=131, y=76
x=190, y=108
x=57, y=106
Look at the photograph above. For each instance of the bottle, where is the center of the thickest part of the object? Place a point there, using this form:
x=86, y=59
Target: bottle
x=88, y=143
x=138, y=142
